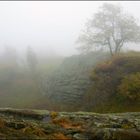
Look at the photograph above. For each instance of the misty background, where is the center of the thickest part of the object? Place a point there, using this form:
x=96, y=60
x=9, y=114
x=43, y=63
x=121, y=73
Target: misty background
x=50, y=28
x=41, y=66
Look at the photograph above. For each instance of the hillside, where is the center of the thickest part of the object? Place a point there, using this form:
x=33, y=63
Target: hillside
x=42, y=124
x=116, y=85
x=94, y=82
x=90, y=82
x=71, y=80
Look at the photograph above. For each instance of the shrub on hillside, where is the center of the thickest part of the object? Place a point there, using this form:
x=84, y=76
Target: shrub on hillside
x=130, y=86
x=107, y=76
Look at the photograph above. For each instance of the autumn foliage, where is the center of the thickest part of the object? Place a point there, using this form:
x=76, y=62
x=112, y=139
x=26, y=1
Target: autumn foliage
x=130, y=86
x=115, y=81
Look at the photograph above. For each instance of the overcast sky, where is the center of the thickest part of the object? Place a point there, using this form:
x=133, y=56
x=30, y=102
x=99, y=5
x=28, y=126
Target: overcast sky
x=49, y=26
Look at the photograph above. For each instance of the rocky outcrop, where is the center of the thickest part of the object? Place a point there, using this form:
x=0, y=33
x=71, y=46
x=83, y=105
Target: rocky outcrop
x=69, y=125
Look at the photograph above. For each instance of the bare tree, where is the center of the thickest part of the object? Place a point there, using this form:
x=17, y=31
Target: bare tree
x=109, y=28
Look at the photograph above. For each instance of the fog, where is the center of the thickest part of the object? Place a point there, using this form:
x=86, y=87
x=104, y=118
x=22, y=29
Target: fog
x=49, y=27
x=70, y=55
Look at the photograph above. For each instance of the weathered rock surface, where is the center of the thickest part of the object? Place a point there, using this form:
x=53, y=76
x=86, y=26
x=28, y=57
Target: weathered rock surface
x=43, y=124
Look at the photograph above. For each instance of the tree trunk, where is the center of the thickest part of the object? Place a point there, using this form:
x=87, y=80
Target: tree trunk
x=110, y=47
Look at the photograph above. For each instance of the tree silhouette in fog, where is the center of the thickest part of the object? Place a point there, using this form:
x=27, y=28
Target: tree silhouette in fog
x=110, y=28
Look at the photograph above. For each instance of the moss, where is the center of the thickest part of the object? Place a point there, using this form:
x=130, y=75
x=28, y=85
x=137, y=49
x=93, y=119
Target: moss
x=22, y=113
x=53, y=114
x=73, y=125
x=16, y=125
x=128, y=125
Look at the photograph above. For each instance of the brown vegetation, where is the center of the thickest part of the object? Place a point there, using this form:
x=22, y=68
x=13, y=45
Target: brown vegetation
x=120, y=71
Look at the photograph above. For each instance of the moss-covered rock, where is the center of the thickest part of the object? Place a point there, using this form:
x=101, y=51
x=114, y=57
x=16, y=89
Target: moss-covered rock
x=70, y=125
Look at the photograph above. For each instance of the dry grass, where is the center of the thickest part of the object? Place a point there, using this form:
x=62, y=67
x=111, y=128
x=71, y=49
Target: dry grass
x=66, y=123
x=2, y=123
x=60, y=136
